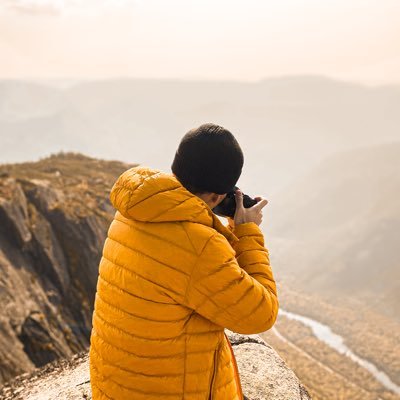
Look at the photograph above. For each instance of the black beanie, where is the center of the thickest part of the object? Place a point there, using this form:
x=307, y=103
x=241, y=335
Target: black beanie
x=208, y=159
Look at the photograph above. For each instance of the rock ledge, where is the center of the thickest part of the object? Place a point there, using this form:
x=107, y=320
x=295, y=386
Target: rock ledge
x=264, y=375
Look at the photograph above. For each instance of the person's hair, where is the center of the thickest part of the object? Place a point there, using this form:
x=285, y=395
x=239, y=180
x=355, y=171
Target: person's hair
x=208, y=159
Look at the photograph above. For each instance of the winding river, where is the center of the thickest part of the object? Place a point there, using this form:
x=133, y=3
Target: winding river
x=325, y=334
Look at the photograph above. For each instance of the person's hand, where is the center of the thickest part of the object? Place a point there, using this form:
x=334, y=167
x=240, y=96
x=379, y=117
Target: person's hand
x=251, y=214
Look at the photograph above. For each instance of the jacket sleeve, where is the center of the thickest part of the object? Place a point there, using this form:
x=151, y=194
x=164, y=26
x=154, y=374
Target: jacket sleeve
x=233, y=286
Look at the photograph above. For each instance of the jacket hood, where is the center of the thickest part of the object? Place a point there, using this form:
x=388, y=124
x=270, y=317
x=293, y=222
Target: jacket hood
x=150, y=195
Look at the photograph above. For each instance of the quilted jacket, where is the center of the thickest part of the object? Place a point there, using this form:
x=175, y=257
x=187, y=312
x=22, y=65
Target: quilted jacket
x=171, y=277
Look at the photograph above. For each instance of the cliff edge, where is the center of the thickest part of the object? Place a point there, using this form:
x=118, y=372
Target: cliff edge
x=264, y=375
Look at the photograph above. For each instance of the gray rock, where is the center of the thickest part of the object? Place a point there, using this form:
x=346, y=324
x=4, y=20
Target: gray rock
x=264, y=376
x=14, y=212
x=263, y=373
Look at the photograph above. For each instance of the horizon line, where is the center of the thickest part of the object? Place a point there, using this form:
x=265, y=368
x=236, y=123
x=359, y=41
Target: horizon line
x=203, y=79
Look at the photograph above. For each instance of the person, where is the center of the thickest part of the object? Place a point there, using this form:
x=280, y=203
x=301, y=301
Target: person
x=172, y=277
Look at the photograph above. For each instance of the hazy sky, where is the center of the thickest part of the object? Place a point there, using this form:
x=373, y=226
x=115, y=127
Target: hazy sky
x=211, y=39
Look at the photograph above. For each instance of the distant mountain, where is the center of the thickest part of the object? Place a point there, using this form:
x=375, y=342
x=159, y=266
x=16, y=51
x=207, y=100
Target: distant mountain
x=54, y=215
x=285, y=125
x=337, y=229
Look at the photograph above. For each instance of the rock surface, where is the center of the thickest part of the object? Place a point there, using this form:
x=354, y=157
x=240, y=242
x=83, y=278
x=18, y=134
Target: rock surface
x=264, y=376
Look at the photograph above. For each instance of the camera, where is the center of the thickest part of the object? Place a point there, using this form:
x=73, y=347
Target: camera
x=227, y=207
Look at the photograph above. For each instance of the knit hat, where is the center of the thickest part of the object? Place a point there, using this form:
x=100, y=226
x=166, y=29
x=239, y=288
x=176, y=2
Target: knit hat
x=208, y=159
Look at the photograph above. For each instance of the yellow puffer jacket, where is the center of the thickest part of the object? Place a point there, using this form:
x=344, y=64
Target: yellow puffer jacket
x=171, y=278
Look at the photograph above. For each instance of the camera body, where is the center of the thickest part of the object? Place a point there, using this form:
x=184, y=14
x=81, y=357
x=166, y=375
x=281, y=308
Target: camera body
x=227, y=207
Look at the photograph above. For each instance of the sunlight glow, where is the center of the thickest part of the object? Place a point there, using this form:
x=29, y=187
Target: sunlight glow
x=245, y=40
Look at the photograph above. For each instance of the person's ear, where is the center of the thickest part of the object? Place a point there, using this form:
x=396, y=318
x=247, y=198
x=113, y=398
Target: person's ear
x=217, y=198
x=214, y=198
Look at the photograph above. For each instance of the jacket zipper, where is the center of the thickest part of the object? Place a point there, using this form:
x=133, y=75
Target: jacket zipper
x=213, y=374
x=236, y=370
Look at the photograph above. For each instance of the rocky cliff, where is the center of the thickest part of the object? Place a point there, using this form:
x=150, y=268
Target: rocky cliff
x=54, y=216
x=264, y=375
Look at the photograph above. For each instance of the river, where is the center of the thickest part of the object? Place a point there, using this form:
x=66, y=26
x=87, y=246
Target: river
x=325, y=334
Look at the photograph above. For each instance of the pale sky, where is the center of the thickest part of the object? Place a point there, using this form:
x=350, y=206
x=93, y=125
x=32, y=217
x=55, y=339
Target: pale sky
x=248, y=40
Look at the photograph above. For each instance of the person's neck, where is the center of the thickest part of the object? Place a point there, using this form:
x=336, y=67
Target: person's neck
x=206, y=198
